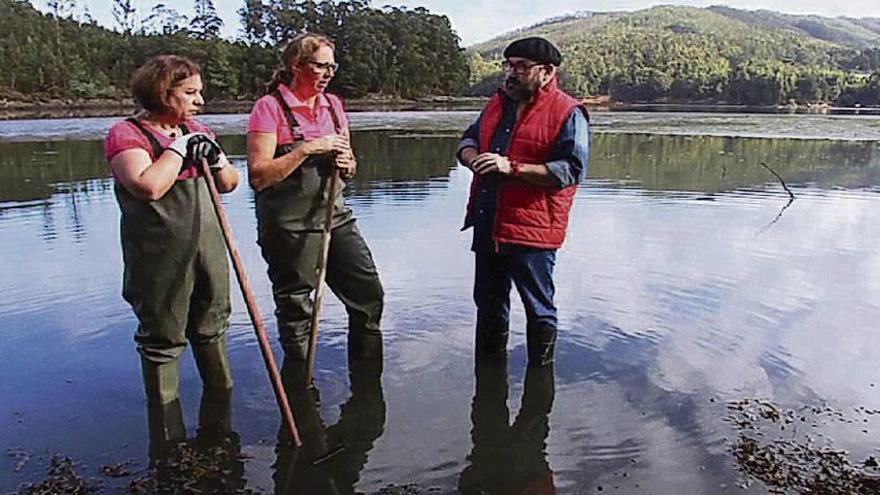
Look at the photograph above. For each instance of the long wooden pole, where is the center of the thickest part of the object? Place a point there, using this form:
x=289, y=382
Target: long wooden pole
x=253, y=309
x=322, y=274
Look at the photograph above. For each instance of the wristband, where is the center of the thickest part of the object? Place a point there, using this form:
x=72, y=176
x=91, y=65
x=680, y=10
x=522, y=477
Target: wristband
x=515, y=168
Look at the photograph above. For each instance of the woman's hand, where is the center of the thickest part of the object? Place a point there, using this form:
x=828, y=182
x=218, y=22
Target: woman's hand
x=347, y=165
x=334, y=143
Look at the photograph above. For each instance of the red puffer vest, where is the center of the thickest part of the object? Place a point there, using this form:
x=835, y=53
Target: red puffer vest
x=527, y=214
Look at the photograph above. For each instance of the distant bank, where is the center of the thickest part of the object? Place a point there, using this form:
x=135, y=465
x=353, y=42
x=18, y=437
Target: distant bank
x=59, y=108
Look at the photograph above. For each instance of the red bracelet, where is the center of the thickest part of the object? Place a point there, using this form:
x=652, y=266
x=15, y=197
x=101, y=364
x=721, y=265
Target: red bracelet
x=516, y=168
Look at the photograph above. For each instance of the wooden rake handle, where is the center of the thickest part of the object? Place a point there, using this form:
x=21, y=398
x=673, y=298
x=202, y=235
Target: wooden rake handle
x=252, y=307
x=322, y=274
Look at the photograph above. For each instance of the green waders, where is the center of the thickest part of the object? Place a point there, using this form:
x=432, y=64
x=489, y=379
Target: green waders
x=290, y=218
x=176, y=279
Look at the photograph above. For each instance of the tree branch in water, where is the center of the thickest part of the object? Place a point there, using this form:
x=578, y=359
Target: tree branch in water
x=781, y=181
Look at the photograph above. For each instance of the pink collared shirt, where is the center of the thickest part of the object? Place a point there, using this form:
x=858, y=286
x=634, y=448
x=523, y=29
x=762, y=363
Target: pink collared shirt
x=125, y=136
x=267, y=116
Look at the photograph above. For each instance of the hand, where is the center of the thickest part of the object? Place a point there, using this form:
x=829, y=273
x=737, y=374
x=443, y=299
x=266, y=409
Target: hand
x=194, y=146
x=334, y=143
x=180, y=144
x=486, y=163
x=347, y=165
x=201, y=147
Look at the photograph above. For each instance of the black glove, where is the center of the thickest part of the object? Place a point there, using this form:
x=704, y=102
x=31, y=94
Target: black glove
x=200, y=146
x=194, y=146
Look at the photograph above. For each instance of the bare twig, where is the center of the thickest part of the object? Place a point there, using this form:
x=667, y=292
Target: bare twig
x=781, y=180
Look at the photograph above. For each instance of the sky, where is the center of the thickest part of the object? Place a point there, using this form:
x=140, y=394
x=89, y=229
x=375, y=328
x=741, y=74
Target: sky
x=480, y=20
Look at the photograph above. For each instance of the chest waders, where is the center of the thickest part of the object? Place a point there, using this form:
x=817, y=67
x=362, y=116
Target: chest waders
x=290, y=220
x=176, y=279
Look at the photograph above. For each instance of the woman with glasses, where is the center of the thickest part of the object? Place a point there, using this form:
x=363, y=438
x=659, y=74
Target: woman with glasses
x=297, y=135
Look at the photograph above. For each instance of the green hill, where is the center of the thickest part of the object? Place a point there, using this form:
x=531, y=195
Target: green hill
x=710, y=54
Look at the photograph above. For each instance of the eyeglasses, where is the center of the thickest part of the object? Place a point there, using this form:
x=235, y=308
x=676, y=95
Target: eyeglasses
x=518, y=67
x=324, y=66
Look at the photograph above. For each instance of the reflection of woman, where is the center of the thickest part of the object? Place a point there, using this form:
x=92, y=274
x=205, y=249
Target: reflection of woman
x=297, y=133
x=176, y=275
x=331, y=459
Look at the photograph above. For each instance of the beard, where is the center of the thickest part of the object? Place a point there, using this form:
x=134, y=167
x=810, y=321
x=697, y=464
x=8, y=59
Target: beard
x=520, y=90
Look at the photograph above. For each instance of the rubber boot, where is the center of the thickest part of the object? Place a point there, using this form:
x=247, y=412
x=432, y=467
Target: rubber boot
x=164, y=416
x=365, y=345
x=304, y=403
x=165, y=423
x=491, y=339
x=161, y=381
x=362, y=418
x=541, y=342
x=213, y=363
x=215, y=412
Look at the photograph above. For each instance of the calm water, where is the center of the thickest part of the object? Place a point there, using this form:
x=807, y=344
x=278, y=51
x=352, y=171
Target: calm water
x=685, y=283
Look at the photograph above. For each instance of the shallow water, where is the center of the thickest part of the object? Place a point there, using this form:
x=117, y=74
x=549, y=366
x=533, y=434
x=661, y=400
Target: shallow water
x=687, y=280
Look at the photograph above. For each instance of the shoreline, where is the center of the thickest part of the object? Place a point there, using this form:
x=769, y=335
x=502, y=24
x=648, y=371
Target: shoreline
x=61, y=109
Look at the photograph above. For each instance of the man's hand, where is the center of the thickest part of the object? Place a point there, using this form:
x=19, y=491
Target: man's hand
x=487, y=163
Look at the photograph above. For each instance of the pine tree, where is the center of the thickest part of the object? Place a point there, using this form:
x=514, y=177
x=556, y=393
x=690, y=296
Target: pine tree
x=125, y=14
x=206, y=24
x=164, y=20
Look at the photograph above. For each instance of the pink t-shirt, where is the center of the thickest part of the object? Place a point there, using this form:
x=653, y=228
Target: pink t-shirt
x=267, y=116
x=125, y=136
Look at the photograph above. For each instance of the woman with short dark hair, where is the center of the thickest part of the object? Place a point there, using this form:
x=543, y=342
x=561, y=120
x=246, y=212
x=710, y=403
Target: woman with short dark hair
x=176, y=275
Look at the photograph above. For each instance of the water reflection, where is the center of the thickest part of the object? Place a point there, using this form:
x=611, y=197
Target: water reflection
x=407, y=166
x=669, y=300
x=330, y=460
x=509, y=458
x=211, y=462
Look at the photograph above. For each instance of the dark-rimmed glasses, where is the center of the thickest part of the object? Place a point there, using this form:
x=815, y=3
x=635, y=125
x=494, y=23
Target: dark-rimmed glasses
x=518, y=67
x=324, y=66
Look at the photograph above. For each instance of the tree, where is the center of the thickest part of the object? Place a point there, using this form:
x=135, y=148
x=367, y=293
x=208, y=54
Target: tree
x=61, y=9
x=163, y=20
x=253, y=21
x=125, y=14
x=206, y=24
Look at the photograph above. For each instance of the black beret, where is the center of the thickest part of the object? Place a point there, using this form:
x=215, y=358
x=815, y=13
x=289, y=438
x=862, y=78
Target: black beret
x=535, y=49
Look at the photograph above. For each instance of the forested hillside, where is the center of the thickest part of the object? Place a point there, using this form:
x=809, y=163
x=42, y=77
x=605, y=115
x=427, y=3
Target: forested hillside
x=712, y=54
x=390, y=51
x=675, y=54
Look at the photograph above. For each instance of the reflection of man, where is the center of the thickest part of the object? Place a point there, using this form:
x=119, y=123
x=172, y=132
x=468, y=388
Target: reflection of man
x=509, y=459
x=331, y=459
x=528, y=151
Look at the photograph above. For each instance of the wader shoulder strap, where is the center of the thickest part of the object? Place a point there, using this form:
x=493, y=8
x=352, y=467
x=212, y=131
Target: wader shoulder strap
x=157, y=147
x=335, y=116
x=288, y=115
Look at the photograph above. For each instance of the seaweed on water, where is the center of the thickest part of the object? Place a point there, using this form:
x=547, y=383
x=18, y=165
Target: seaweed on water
x=21, y=456
x=796, y=463
x=62, y=479
x=118, y=470
x=189, y=470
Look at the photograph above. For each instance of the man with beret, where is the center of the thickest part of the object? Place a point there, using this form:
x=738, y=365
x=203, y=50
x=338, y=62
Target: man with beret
x=528, y=151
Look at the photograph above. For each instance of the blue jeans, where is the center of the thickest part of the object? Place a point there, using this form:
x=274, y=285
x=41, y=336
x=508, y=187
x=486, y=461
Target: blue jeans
x=531, y=271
